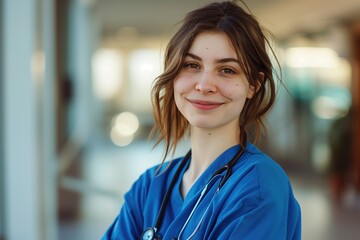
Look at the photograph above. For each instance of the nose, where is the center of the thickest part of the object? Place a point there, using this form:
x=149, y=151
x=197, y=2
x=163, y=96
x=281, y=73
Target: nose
x=206, y=83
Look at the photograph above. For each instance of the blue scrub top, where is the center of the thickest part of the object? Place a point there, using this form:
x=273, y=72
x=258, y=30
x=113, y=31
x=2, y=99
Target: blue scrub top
x=256, y=202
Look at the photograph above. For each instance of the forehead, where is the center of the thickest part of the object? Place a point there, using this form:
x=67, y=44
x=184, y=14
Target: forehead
x=213, y=43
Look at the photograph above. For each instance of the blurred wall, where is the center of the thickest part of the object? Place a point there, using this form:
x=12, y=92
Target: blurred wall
x=75, y=36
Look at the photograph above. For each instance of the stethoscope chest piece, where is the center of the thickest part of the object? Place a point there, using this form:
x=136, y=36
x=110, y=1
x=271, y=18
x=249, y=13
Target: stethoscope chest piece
x=150, y=234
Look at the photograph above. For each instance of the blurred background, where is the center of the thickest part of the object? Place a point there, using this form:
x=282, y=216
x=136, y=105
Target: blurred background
x=76, y=112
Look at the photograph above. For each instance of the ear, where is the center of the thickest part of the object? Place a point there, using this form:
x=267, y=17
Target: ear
x=253, y=89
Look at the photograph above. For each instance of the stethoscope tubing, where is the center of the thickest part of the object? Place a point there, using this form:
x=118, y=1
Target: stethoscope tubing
x=167, y=195
x=203, y=192
x=227, y=167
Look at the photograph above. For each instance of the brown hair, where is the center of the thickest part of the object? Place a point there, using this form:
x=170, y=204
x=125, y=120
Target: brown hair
x=250, y=43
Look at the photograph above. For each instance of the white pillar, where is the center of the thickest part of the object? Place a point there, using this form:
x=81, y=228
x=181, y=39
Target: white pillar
x=20, y=121
x=28, y=120
x=47, y=124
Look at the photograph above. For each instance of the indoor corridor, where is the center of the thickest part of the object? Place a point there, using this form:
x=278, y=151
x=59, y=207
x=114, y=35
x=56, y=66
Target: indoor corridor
x=76, y=113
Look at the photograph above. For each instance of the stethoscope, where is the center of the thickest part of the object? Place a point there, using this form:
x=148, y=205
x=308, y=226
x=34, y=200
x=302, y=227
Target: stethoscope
x=151, y=233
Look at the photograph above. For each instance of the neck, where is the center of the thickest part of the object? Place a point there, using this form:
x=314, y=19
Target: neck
x=207, y=145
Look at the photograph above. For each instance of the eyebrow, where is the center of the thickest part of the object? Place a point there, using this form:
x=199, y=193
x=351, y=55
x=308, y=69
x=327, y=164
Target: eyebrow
x=222, y=60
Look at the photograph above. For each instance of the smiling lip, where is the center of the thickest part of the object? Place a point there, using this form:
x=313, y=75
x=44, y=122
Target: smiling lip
x=205, y=105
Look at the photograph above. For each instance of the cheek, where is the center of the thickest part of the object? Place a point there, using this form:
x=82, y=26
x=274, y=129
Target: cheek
x=181, y=85
x=177, y=85
x=236, y=91
x=243, y=89
x=178, y=91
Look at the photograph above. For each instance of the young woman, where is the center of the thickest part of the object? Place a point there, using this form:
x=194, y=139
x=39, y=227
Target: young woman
x=217, y=86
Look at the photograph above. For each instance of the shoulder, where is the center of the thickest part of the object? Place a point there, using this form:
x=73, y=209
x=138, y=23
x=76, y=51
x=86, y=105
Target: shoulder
x=259, y=173
x=265, y=166
x=257, y=202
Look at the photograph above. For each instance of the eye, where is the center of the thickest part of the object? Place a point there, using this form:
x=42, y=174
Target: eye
x=191, y=65
x=227, y=71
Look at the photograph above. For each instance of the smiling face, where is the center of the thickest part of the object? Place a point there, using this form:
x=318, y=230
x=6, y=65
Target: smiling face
x=210, y=91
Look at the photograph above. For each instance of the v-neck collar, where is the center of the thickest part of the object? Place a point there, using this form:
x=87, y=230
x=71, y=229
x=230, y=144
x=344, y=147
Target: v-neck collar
x=199, y=184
